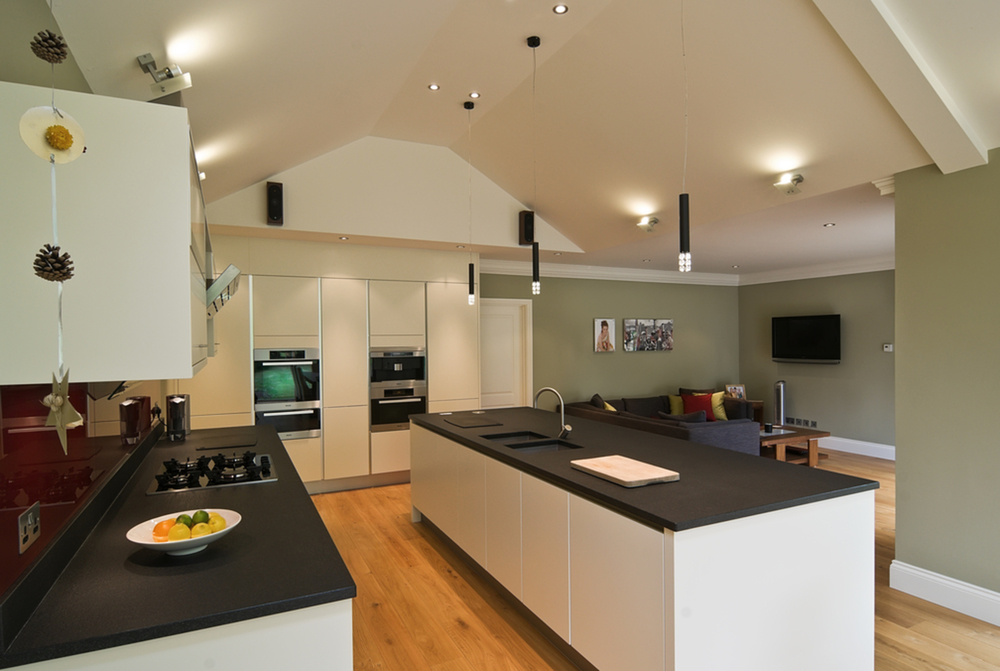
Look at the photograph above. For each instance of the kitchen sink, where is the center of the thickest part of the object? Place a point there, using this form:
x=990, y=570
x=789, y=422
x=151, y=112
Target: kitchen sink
x=547, y=445
x=515, y=437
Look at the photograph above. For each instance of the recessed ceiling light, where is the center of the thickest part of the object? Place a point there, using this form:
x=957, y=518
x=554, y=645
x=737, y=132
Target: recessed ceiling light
x=473, y=95
x=344, y=237
x=645, y=260
x=557, y=254
x=201, y=176
x=735, y=266
x=433, y=87
x=560, y=9
x=829, y=225
x=460, y=246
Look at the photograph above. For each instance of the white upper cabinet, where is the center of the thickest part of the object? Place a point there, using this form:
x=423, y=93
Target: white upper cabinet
x=396, y=313
x=124, y=216
x=345, y=343
x=286, y=306
x=452, y=343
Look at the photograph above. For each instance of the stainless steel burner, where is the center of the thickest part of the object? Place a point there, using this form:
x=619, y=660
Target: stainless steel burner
x=218, y=471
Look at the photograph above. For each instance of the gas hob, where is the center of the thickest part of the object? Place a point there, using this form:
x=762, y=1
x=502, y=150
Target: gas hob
x=221, y=470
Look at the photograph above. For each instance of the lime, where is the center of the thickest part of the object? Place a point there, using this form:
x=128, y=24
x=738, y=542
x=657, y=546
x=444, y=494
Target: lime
x=200, y=517
x=185, y=520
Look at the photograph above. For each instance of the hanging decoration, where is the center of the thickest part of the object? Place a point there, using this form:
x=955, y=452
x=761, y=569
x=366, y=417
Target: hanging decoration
x=56, y=137
x=62, y=414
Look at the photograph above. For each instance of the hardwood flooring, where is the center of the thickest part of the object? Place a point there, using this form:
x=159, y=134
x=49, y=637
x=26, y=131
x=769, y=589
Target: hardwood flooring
x=419, y=607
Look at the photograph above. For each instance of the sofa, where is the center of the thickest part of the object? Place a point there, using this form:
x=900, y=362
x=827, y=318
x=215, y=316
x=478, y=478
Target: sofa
x=737, y=432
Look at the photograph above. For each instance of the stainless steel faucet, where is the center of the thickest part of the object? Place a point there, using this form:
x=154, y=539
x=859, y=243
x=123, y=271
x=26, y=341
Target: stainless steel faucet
x=565, y=428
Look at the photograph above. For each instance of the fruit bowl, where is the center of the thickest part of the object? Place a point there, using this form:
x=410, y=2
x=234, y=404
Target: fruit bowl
x=142, y=533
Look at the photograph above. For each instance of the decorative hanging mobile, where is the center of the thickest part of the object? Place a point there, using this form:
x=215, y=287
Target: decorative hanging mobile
x=53, y=135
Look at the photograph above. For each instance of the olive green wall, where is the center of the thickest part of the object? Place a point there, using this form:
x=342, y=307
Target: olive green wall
x=853, y=399
x=706, y=344
x=947, y=326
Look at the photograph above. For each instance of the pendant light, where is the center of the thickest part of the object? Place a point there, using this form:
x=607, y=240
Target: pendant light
x=534, y=42
x=469, y=106
x=684, y=256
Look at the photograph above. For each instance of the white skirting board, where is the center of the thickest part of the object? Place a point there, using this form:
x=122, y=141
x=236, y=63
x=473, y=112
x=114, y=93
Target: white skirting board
x=963, y=597
x=861, y=447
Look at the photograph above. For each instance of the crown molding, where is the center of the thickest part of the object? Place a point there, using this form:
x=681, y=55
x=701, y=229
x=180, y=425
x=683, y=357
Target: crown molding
x=886, y=186
x=871, y=265
x=569, y=271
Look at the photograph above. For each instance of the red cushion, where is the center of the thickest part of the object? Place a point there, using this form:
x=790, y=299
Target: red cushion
x=699, y=402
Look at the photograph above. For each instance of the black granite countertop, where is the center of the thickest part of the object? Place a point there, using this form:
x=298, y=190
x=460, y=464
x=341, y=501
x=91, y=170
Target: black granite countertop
x=715, y=484
x=113, y=592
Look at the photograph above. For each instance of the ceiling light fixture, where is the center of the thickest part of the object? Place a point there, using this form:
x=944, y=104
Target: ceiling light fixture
x=202, y=176
x=536, y=283
x=560, y=9
x=556, y=253
x=647, y=223
x=166, y=81
x=684, y=228
x=788, y=184
x=433, y=87
x=469, y=106
x=829, y=225
x=473, y=95
x=344, y=237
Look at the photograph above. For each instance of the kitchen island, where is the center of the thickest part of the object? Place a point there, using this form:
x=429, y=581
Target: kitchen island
x=273, y=593
x=744, y=563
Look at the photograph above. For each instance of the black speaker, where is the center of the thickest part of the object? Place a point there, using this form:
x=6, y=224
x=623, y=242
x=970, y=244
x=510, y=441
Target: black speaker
x=275, y=204
x=526, y=227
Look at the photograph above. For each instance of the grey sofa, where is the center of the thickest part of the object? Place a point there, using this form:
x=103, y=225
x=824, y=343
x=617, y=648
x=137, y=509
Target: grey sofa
x=739, y=435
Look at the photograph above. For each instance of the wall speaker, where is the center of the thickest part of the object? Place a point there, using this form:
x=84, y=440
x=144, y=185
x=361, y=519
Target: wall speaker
x=526, y=227
x=275, y=204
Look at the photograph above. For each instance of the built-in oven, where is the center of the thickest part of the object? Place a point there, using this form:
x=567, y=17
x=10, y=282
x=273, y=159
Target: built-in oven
x=398, y=385
x=286, y=390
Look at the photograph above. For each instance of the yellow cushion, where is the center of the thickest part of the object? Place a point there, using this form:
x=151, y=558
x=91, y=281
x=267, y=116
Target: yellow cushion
x=717, y=408
x=676, y=405
x=608, y=406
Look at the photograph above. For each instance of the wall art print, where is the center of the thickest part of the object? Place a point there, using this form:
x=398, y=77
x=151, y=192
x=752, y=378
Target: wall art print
x=648, y=335
x=604, y=335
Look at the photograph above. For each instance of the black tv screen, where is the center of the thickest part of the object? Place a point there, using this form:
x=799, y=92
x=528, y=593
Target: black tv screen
x=811, y=339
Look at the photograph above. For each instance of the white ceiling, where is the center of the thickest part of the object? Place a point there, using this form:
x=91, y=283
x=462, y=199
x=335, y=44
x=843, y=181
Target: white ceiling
x=842, y=91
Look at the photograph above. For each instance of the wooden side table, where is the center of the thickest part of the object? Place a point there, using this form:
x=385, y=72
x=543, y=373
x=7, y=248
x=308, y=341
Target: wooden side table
x=783, y=437
x=758, y=411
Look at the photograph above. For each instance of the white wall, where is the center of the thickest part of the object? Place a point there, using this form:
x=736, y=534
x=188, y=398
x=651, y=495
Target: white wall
x=391, y=189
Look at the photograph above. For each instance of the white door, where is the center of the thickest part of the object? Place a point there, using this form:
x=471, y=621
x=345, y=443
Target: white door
x=505, y=348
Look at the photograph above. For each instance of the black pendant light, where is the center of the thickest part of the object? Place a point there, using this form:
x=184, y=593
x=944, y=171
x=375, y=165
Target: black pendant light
x=469, y=105
x=536, y=285
x=534, y=42
x=684, y=257
x=684, y=228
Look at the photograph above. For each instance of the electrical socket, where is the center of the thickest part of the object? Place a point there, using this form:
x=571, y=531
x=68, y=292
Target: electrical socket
x=29, y=526
x=789, y=421
x=812, y=424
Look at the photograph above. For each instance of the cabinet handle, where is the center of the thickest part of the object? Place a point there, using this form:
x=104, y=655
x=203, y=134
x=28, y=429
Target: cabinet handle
x=401, y=400
x=290, y=412
x=290, y=362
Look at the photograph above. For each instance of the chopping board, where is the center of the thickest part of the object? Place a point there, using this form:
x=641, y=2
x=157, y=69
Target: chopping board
x=472, y=422
x=624, y=471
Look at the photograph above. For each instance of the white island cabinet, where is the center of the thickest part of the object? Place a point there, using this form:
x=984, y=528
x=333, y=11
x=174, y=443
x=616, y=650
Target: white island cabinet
x=785, y=589
x=124, y=212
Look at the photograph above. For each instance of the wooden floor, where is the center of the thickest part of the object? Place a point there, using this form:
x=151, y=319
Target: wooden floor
x=420, y=607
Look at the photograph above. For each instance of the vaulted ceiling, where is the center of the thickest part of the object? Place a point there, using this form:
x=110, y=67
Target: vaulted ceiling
x=590, y=128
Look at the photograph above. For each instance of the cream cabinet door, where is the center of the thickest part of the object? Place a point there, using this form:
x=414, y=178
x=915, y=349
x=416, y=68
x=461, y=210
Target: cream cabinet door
x=307, y=455
x=545, y=552
x=345, y=442
x=285, y=306
x=390, y=451
x=396, y=313
x=503, y=525
x=345, y=343
x=452, y=343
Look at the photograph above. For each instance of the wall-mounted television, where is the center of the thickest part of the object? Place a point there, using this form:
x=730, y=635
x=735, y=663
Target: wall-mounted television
x=809, y=339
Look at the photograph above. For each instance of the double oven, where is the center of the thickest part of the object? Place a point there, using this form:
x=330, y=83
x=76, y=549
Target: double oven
x=398, y=387
x=286, y=391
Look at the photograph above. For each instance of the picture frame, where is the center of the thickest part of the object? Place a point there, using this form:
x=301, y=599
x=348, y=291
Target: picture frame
x=647, y=335
x=604, y=335
x=736, y=391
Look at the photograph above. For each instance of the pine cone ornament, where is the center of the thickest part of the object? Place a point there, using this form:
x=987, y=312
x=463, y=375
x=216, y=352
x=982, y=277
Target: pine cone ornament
x=49, y=47
x=52, y=266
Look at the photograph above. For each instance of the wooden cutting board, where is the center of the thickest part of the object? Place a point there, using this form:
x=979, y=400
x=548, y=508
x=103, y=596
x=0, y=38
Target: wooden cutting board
x=624, y=471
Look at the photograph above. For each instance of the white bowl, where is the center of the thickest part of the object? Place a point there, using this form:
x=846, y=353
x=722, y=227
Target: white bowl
x=143, y=533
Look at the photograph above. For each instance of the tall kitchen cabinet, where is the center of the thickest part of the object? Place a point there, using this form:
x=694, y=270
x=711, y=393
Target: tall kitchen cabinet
x=345, y=378
x=286, y=315
x=452, y=348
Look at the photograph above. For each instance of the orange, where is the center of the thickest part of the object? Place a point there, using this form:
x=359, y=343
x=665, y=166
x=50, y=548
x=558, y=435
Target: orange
x=161, y=530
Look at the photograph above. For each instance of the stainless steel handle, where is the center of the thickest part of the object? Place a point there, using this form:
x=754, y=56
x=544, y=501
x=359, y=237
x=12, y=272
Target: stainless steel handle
x=290, y=412
x=401, y=400
x=289, y=362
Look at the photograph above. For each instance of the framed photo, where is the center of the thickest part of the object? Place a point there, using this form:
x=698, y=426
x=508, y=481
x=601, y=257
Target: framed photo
x=604, y=335
x=663, y=334
x=630, y=334
x=736, y=391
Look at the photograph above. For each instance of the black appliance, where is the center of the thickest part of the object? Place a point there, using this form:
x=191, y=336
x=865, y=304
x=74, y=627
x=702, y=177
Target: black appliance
x=398, y=387
x=219, y=471
x=808, y=339
x=286, y=390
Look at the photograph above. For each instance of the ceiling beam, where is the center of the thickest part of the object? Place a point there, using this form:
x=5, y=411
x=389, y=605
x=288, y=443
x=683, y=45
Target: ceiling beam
x=895, y=64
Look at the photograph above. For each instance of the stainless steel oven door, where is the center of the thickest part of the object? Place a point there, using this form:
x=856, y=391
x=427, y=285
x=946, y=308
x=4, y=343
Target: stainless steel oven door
x=291, y=420
x=391, y=407
x=286, y=375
